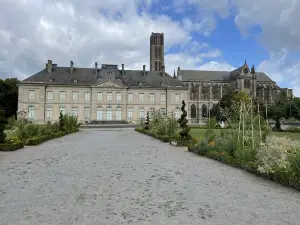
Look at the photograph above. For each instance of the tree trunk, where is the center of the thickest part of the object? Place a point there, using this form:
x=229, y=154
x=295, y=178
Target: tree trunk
x=278, y=125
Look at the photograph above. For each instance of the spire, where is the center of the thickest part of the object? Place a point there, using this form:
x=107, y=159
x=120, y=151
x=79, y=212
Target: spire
x=252, y=69
x=174, y=76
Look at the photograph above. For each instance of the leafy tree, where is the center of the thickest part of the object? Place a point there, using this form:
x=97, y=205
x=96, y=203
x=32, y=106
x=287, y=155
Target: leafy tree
x=234, y=97
x=2, y=126
x=9, y=96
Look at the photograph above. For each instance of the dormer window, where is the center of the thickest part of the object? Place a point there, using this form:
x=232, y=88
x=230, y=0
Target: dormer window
x=75, y=81
x=51, y=79
x=140, y=83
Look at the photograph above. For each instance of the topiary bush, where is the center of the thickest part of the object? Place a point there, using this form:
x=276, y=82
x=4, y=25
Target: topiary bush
x=2, y=126
x=147, y=123
x=184, y=133
x=61, y=122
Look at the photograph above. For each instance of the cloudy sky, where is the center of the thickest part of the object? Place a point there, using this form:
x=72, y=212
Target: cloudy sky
x=199, y=34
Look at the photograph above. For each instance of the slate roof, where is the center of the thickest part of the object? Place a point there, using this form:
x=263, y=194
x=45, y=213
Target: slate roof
x=203, y=75
x=87, y=76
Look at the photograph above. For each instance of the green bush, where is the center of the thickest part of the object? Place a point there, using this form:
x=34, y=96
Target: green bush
x=11, y=146
x=2, y=126
x=70, y=123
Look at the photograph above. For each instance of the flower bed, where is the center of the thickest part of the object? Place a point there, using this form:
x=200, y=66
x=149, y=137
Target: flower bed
x=11, y=146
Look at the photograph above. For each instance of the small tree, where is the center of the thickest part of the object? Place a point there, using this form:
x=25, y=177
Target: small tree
x=147, y=123
x=2, y=126
x=61, y=122
x=184, y=133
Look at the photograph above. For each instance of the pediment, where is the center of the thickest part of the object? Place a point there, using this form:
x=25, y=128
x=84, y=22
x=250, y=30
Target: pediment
x=109, y=84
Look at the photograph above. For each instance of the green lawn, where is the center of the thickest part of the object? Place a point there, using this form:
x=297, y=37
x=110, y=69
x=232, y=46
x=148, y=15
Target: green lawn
x=199, y=133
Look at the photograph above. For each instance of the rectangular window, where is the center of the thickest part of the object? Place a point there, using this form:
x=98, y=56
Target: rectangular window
x=31, y=95
x=141, y=113
x=99, y=96
x=130, y=114
x=87, y=113
x=87, y=96
x=163, y=97
x=62, y=109
x=119, y=96
x=49, y=113
x=62, y=95
x=152, y=111
x=75, y=111
x=152, y=97
x=50, y=95
x=75, y=95
x=130, y=97
x=177, y=98
x=31, y=113
x=163, y=111
x=141, y=97
x=109, y=96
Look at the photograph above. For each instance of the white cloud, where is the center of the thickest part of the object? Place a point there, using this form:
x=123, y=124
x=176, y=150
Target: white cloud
x=88, y=31
x=216, y=66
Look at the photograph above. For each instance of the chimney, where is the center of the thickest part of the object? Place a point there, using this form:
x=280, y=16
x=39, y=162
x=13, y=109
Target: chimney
x=96, y=69
x=71, y=67
x=49, y=66
x=122, y=69
x=144, y=70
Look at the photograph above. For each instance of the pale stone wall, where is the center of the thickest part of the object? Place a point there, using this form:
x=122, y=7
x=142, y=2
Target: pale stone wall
x=96, y=106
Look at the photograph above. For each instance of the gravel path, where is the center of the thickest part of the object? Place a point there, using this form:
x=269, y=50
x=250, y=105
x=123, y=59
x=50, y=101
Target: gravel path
x=107, y=177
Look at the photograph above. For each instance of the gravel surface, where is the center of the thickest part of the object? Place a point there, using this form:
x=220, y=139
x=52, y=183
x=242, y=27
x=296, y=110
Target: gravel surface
x=119, y=176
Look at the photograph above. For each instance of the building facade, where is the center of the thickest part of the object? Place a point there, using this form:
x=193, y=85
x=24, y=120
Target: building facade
x=206, y=88
x=109, y=93
x=99, y=94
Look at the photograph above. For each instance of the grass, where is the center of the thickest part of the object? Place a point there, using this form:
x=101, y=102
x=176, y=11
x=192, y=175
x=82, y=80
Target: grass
x=199, y=133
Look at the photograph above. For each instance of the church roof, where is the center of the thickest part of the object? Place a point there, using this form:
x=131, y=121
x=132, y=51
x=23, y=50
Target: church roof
x=87, y=76
x=206, y=75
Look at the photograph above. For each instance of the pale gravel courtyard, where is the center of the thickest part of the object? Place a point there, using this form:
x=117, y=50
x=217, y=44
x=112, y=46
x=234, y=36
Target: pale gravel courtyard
x=118, y=176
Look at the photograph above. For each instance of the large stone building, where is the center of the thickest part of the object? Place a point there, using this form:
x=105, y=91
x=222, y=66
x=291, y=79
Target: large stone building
x=206, y=88
x=109, y=93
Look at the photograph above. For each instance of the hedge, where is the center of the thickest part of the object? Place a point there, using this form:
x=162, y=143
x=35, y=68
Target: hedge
x=5, y=147
x=289, y=179
x=39, y=140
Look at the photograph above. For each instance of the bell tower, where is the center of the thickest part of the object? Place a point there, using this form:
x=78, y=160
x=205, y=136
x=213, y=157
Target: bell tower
x=157, y=59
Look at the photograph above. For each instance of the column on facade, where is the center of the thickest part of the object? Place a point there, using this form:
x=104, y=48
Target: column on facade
x=254, y=88
x=210, y=92
x=221, y=85
x=200, y=91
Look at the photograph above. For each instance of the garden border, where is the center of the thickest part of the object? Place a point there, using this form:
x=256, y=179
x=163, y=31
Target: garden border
x=42, y=139
x=8, y=147
x=247, y=166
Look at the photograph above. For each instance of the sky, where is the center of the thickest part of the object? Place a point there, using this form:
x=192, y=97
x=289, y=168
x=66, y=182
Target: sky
x=199, y=34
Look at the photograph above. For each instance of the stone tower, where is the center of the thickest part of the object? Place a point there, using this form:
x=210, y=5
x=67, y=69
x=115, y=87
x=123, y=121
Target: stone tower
x=157, y=59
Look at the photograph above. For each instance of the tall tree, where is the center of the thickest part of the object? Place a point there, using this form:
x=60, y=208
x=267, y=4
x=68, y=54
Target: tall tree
x=9, y=96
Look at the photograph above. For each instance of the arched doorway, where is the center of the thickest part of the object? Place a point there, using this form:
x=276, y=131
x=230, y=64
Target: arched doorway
x=204, y=111
x=119, y=113
x=99, y=113
x=108, y=113
x=193, y=111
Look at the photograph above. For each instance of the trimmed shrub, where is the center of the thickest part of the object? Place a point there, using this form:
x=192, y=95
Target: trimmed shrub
x=184, y=133
x=11, y=146
x=147, y=124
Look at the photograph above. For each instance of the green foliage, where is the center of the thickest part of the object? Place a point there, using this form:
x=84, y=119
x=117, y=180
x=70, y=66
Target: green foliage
x=61, y=122
x=11, y=146
x=2, y=126
x=147, y=123
x=70, y=123
x=9, y=96
x=184, y=133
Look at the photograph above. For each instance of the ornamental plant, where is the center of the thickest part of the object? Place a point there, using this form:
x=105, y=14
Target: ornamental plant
x=2, y=126
x=184, y=133
x=61, y=122
x=147, y=123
